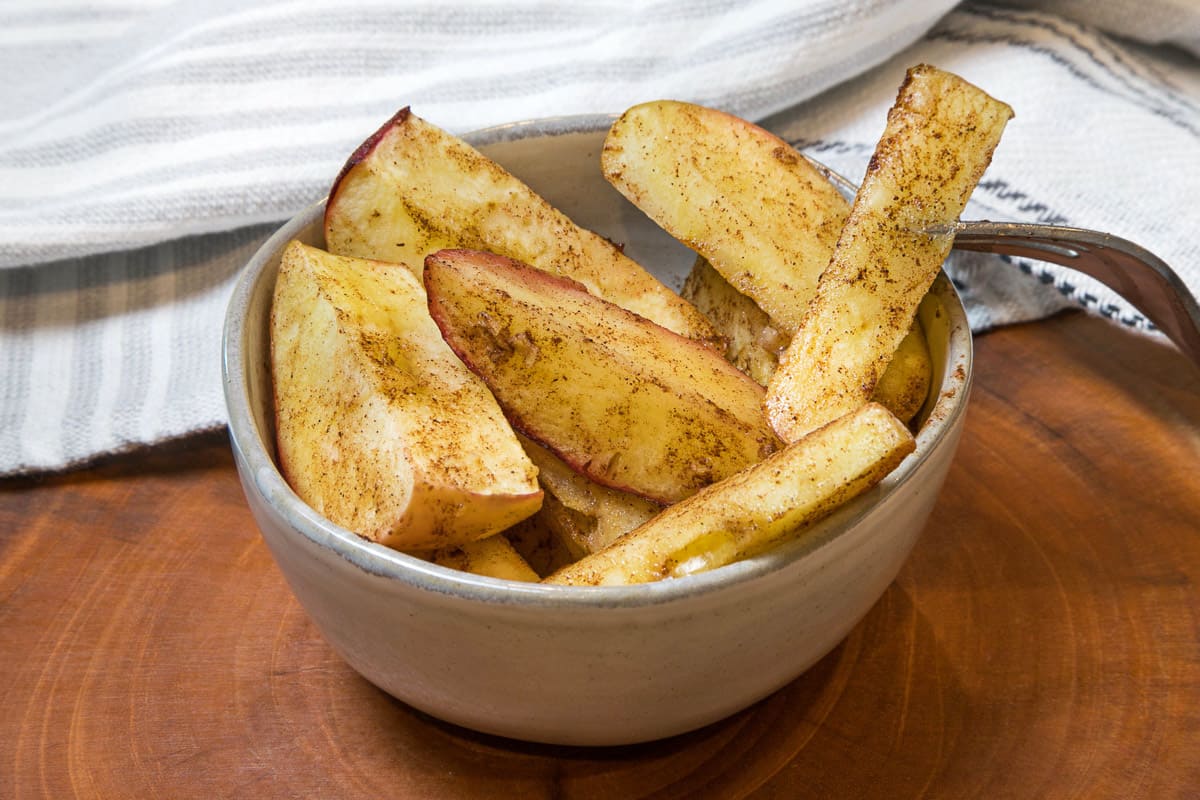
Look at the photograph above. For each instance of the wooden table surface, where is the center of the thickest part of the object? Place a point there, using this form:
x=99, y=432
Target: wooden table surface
x=1042, y=641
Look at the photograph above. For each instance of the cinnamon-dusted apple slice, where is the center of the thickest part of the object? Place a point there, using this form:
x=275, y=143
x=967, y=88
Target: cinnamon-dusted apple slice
x=756, y=509
x=740, y=196
x=623, y=400
x=412, y=189
x=752, y=342
x=582, y=514
x=904, y=386
x=380, y=427
x=493, y=557
x=939, y=139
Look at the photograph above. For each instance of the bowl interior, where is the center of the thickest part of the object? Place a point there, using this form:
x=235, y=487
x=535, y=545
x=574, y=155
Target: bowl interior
x=558, y=158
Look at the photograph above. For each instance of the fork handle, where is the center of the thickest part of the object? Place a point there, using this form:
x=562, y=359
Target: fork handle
x=1131, y=271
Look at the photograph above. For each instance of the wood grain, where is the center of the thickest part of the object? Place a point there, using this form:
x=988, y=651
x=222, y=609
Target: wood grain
x=1042, y=641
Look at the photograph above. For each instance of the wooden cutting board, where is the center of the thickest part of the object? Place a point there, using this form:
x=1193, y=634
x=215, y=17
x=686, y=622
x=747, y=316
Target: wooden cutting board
x=1042, y=641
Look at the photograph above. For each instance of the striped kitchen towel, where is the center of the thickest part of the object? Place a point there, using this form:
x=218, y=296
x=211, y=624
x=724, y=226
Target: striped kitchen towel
x=147, y=147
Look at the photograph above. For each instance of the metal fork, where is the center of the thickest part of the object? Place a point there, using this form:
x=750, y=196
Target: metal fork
x=1130, y=270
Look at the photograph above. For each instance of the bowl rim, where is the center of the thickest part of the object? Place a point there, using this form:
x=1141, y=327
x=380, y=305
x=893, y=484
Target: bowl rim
x=255, y=463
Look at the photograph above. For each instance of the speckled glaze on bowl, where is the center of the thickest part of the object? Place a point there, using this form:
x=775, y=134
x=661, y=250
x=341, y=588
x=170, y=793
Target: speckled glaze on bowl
x=573, y=665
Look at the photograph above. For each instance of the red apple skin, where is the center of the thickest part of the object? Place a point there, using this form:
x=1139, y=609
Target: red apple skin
x=361, y=153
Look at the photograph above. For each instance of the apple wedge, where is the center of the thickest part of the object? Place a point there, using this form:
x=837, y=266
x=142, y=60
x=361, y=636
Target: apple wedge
x=624, y=401
x=752, y=342
x=493, y=557
x=583, y=515
x=939, y=139
x=380, y=427
x=738, y=195
x=754, y=510
x=904, y=386
x=412, y=189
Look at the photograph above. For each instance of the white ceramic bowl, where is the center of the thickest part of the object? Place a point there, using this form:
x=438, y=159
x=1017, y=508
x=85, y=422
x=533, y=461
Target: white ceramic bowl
x=574, y=665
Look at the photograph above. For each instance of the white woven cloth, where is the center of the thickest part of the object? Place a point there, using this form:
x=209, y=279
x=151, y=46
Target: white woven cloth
x=147, y=148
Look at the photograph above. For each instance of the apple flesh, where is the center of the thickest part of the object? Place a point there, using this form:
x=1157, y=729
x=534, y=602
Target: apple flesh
x=493, y=557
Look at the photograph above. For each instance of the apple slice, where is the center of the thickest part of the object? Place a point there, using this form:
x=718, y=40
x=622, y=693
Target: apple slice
x=493, y=557
x=938, y=141
x=752, y=342
x=412, y=189
x=623, y=400
x=740, y=196
x=756, y=509
x=904, y=385
x=380, y=427
x=583, y=515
